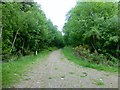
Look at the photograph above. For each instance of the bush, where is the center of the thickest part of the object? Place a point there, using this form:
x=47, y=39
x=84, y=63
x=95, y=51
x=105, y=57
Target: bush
x=106, y=59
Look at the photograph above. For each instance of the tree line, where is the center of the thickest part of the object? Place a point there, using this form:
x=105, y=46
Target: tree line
x=26, y=30
x=91, y=25
x=94, y=25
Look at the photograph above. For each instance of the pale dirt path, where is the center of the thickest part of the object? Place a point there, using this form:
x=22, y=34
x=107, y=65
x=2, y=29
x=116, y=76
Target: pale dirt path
x=57, y=72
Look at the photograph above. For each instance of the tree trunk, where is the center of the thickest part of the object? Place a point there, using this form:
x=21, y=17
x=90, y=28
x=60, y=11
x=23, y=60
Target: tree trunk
x=14, y=40
x=117, y=49
x=95, y=50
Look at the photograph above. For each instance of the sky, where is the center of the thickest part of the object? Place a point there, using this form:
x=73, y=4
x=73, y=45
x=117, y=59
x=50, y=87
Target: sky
x=56, y=10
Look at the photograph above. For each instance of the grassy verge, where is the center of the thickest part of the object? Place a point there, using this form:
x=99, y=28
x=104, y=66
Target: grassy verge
x=12, y=72
x=0, y=76
x=77, y=60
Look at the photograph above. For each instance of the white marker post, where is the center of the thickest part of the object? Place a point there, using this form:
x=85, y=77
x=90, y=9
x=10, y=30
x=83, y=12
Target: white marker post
x=36, y=52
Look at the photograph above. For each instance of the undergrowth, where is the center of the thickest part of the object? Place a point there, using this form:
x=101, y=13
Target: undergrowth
x=84, y=61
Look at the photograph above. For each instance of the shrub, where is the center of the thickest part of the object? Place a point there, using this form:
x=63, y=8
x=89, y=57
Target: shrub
x=98, y=58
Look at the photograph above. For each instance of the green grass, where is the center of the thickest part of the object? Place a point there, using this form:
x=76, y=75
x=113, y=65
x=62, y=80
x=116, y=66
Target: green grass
x=98, y=82
x=13, y=71
x=62, y=76
x=56, y=68
x=77, y=60
x=82, y=76
x=0, y=76
x=71, y=73
x=49, y=77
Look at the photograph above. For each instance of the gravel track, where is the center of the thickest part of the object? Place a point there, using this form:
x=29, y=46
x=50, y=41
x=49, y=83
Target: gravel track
x=57, y=72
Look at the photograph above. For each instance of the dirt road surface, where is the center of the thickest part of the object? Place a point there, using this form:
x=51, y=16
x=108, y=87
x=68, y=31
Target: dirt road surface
x=57, y=72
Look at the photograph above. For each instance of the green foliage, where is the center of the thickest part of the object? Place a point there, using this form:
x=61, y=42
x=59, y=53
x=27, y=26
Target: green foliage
x=54, y=36
x=12, y=72
x=105, y=59
x=26, y=30
x=0, y=75
x=69, y=53
x=94, y=24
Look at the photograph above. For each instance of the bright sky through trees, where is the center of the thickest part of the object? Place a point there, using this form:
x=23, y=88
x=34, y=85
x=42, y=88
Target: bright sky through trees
x=56, y=10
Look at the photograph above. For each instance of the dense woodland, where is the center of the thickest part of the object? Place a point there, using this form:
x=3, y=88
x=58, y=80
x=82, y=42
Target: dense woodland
x=91, y=28
x=27, y=30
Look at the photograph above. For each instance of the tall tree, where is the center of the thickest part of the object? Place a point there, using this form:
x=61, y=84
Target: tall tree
x=94, y=24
